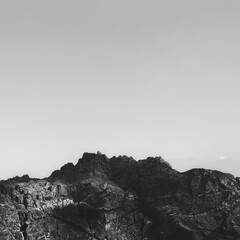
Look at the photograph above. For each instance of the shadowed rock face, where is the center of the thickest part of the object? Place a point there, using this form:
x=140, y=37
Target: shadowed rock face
x=123, y=199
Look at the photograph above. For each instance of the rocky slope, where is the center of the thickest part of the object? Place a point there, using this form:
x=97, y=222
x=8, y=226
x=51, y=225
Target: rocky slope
x=123, y=199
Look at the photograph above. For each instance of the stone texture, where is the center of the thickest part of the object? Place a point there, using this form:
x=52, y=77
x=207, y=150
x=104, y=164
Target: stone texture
x=120, y=198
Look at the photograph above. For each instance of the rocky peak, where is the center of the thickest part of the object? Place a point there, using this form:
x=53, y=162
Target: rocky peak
x=152, y=165
x=93, y=165
x=123, y=199
x=21, y=179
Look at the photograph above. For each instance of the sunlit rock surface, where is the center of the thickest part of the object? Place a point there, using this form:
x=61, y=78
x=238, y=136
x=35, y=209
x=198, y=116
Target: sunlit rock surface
x=123, y=199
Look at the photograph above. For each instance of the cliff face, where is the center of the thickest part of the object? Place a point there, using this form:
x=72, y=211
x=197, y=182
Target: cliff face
x=120, y=198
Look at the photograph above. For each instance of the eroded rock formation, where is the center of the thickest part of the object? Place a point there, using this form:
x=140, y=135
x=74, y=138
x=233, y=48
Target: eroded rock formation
x=123, y=199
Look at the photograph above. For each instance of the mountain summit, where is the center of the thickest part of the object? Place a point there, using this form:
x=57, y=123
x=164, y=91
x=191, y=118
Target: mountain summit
x=120, y=198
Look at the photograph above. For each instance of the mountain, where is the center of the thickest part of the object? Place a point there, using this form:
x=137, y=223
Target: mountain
x=119, y=198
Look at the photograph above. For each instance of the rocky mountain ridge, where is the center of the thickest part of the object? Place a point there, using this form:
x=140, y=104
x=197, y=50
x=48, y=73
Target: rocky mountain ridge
x=121, y=198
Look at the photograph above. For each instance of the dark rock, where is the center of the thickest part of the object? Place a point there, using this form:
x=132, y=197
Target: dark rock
x=123, y=199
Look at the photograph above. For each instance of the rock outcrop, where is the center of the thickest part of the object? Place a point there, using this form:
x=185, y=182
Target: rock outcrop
x=121, y=199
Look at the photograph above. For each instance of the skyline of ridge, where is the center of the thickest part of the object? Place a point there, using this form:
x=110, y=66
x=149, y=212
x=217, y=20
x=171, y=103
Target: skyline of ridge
x=98, y=153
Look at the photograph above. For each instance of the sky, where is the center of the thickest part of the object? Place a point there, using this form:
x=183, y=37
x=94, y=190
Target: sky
x=129, y=77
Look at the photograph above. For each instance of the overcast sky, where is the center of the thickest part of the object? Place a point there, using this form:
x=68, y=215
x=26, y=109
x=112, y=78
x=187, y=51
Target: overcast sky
x=133, y=77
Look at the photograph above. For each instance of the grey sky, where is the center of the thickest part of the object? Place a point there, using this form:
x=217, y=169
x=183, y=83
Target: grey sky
x=124, y=77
